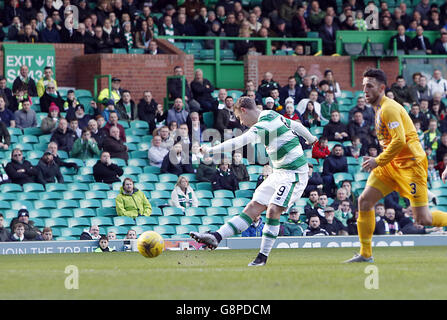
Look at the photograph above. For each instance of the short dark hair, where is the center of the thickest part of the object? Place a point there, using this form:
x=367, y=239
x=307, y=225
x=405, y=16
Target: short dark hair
x=377, y=74
x=245, y=102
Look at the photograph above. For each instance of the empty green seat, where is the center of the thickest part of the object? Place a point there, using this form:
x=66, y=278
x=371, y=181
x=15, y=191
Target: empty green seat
x=185, y=229
x=39, y=213
x=223, y=194
x=341, y=176
x=361, y=176
x=120, y=231
x=247, y=185
x=84, y=212
x=119, y=51
x=190, y=220
x=144, y=220
x=204, y=186
x=51, y=195
x=151, y=169
x=243, y=193
x=61, y=213
x=10, y=187
x=240, y=202
x=216, y=220
x=95, y=195
x=101, y=221
x=9, y=196
x=45, y=204
x=216, y=211
x=168, y=177
x=33, y=187
x=108, y=203
x=123, y=221
x=156, y=211
x=77, y=186
x=28, y=196
x=73, y=195
x=91, y=203
x=55, y=187
x=83, y=178
x=66, y=204
x=234, y=210
x=138, y=162
x=106, y=212
x=132, y=170
x=195, y=211
x=147, y=177
x=205, y=194
x=168, y=220
x=56, y=222
x=72, y=232
x=160, y=194
x=172, y=211
x=169, y=186
x=145, y=186
x=140, y=229
x=165, y=230
x=78, y=222
x=204, y=203
x=16, y=205
x=221, y=202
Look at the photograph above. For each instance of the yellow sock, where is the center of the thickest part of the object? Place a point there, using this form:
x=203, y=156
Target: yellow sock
x=439, y=218
x=366, y=224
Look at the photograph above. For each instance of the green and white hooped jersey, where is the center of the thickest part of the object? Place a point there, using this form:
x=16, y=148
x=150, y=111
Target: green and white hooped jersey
x=281, y=141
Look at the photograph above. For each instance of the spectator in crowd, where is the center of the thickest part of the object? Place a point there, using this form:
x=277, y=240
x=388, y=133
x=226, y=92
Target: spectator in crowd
x=226, y=120
x=131, y=234
x=293, y=226
x=416, y=114
x=71, y=103
x=388, y=224
x=299, y=26
x=243, y=47
x=267, y=85
x=335, y=130
x=105, y=171
x=347, y=185
x=81, y=117
x=166, y=140
x=438, y=84
x=47, y=170
x=157, y=152
x=224, y=178
x=50, y=123
x=421, y=42
x=175, y=91
x=379, y=211
x=255, y=228
x=24, y=80
x=367, y=111
x=116, y=91
x=85, y=147
x=47, y=234
x=344, y=212
x=206, y=170
x=113, y=122
x=304, y=103
x=421, y=90
x=403, y=42
x=52, y=148
x=104, y=245
x=30, y=231
x=433, y=173
x=239, y=169
x=182, y=136
x=125, y=107
x=341, y=195
x=216, y=30
x=440, y=46
x=91, y=233
x=314, y=228
x=43, y=82
x=177, y=113
x=327, y=33
x=74, y=126
x=336, y=162
x=328, y=105
x=98, y=134
x=315, y=182
x=358, y=127
x=183, y=195
x=132, y=202
x=20, y=171
x=402, y=93
x=310, y=117
x=63, y=136
x=150, y=111
x=5, y=94
x=114, y=145
x=432, y=135
x=266, y=171
x=320, y=149
x=5, y=138
x=50, y=34
x=201, y=89
x=26, y=117
x=311, y=204
x=333, y=226
x=19, y=233
x=177, y=161
x=196, y=129
x=4, y=232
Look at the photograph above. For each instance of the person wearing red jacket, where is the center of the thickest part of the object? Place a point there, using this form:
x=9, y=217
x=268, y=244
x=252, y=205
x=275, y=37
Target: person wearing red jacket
x=320, y=149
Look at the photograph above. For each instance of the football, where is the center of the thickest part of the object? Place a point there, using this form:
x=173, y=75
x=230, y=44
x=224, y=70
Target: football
x=150, y=244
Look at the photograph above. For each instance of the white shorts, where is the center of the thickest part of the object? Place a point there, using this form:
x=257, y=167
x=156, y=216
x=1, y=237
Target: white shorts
x=282, y=187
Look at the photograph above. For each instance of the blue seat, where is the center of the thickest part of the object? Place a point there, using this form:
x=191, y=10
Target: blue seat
x=160, y=194
x=51, y=195
x=165, y=230
x=168, y=177
x=108, y=203
x=185, y=230
x=39, y=213
x=95, y=195
x=77, y=186
x=10, y=187
x=240, y=202
x=73, y=195
x=147, y=177
x=169, y=186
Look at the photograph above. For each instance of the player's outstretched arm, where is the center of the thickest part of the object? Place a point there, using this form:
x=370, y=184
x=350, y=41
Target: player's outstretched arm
x=232, y=144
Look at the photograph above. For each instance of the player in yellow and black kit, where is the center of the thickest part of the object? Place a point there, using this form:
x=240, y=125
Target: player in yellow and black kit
x=402, y=166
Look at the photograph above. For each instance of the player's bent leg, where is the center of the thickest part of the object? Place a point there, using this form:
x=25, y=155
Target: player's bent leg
x=366, y=223
x=235, y=225
x=423, y=216
x=269, y=234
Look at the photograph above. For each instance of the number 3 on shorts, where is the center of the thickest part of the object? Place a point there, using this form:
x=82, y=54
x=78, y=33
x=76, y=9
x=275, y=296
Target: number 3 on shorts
x=413, y=188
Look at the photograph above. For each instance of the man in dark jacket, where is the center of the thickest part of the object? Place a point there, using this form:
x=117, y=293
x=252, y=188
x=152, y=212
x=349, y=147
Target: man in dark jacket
x=64, y=136
x=91, y=234
x=114, y=145
x=106, y=171
x=20, y=171
x=224, y=178
x=267, y=85
x=4, y=233
x=335, y=130
x=149, y=110
x=334, y=163
x=402, y=92
x=239, y=169
x=206, y=170
x=226, y=119
x=314, y=228
x=332, y=225
x=175, y=91
x=24, y=80
x=312, y=204
x=358, y=127
x=31, y=232
x=48, y=170
x=315, y=181
x=51, y=96
x=176, y=161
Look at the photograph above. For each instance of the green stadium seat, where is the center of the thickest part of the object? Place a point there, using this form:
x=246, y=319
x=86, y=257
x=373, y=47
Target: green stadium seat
x=247, y=185
x=227, y=55
x=191, y=212
x=9, y=196
x=61, y=213
x=224, y=194
x=168, y=177
x=139, y=124
x=240, y=202
x=56, y=222
x=80, y=93
x=84, y=213
x=40, y=223
x=221, y=202
x=216, y=220
x=151, y=169
x=99, y=186
x=78, y=222
x=16, y=205
x=216, y=211
x=160, y=194
x=155, y=203
x=138, y=155
x=10, y=187
x=341, y=176
x=108, y=203
x=361, y=176
x=251, y=169
x=83, y=178
x=232, y=211
x=204, y=202
x=90, y=162
x=208, y=228
x=45, y=204
x=208, y=119
x=147, y=177
x=135, y=132
x=23, y=146
x=40, y=213
x=90, y=203
x=101, y=221
x=67, y=204
x=140, y=229
x=165, y=230
x=132, y=170
x=84, y=170
x=95, y=195
x=145, y=186
x=169, y=186
x=28, y=196
x=204, y=194
x=138, y=162
x=120, y=231
x=28, y=138
x=156, y=211
x=190, y=220
x=143, y=220
x=106, y=212
x=73, y=195
x=62, y=238
x=204, y=186
x=33, y=187
x=72, y=232
x=172, y=211
x=185, y=229
x=119, y=50
x=170, y=220
x=123, y=221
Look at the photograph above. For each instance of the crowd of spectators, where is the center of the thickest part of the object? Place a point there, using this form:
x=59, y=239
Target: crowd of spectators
x=129, y=24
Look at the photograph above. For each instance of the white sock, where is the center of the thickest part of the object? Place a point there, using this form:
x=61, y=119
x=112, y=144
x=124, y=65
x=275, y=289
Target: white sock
x=269, y=234
x=235, y=225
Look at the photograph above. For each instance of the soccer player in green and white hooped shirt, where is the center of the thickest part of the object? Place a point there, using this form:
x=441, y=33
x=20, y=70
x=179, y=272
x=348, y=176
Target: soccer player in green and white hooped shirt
x=281, y=189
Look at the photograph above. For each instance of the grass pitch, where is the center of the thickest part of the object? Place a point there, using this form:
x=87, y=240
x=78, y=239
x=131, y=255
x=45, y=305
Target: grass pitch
x=291, y=274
